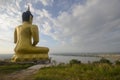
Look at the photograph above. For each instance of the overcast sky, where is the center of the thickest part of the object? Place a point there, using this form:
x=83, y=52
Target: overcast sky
x=65, y=25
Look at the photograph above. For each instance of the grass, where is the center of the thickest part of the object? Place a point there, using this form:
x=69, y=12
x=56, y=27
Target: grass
x=9, y=68
x=93, y=71
x=75, y=70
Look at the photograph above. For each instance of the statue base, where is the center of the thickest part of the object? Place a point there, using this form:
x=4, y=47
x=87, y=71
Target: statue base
x=20, y=57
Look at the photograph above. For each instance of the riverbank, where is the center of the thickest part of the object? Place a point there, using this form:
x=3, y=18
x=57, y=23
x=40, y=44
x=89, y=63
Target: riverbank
x=74, y=70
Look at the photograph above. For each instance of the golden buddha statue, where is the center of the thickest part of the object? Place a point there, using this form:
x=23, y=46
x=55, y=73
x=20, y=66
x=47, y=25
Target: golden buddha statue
x=26, y=37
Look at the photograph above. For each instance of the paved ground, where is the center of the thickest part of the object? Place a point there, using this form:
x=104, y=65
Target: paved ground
x=25, y=74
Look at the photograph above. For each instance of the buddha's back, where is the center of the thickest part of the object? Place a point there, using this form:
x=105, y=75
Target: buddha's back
x=24, y=37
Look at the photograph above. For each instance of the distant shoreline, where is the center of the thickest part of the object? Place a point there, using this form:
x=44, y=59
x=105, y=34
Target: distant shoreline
x=115, y=56
x=84, y=54
x=112, y=56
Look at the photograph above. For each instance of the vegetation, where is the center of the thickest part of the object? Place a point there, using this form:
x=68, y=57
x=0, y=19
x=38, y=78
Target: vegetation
x=100, y=71
x=74, y=61
x=103, y=60
x=117, y=62
x=75, y=70
x=7, y=68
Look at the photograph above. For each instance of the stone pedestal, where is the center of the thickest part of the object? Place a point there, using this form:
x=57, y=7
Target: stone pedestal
x=23, y=57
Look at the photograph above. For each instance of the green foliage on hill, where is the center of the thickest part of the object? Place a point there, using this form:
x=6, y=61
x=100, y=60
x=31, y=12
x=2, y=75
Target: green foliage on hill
x=12, y=67
x=117, y=62
x=74, y=61
x=99, y=71
x=103, y=60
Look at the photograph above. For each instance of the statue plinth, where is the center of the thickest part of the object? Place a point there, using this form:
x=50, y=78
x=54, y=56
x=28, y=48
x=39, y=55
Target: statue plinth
x=23, y=57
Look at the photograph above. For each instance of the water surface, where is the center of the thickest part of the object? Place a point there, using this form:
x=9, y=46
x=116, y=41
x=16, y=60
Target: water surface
x=63, y=58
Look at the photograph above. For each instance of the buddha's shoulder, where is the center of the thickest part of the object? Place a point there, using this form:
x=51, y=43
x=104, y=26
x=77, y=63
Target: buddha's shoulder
x=18, y=26
x=33, y=26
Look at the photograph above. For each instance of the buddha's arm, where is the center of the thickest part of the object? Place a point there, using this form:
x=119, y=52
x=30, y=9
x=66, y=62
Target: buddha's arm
x=35, y=34
x=15, y=36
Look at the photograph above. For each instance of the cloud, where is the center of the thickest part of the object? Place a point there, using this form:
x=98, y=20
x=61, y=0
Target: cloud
x=46, y=2
x=93, y=27
x=9, y=19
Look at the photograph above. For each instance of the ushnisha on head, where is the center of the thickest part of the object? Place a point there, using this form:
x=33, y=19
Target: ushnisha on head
x=27, y=16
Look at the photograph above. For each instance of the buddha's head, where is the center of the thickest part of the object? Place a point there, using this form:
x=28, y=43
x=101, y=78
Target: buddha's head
x=27, y=16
